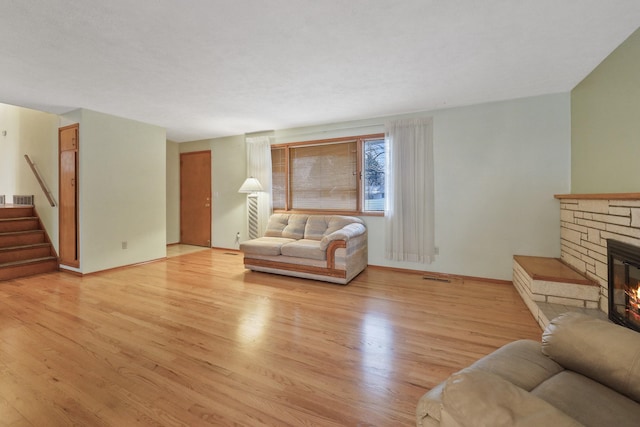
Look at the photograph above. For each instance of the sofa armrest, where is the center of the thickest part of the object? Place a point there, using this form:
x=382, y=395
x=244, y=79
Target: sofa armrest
x=477, y=398
x=600, y=350
x=429, y=407
x=520, y=363
x=331, y=252
x=345, y=233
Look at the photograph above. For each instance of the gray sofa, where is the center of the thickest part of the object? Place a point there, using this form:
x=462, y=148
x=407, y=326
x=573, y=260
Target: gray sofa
x=332, y=248
x=585, y=373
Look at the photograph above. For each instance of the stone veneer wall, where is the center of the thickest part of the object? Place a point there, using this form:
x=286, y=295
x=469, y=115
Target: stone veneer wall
x=586, y=224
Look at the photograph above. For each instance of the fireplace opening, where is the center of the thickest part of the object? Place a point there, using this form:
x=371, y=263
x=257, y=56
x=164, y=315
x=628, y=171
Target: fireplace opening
x=624, y=283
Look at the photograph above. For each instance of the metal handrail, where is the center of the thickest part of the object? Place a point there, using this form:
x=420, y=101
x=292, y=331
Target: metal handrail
x=40, y=181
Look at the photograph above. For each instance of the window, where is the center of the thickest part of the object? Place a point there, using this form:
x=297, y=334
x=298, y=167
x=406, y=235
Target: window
x=344, y=175
x=373, y=180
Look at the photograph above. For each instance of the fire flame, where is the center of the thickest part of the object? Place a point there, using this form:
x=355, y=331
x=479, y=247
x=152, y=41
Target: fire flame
x=634, y=301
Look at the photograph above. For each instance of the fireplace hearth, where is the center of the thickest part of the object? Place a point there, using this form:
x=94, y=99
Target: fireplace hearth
x=624, y=283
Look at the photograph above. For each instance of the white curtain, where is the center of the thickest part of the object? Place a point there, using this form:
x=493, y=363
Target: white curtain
x=259, y=167
x=409, y=192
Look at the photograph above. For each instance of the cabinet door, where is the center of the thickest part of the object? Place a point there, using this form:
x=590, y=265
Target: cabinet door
x=69, y=138
x=68, y=198
x=68, y=208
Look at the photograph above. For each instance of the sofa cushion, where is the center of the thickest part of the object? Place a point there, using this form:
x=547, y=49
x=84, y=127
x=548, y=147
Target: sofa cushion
x=295, y=227
x=588, y=401
x=603, y=351
x=316, y=227
x=277, y=223
x=264, y=245
x=304, y=248
x=481, y=399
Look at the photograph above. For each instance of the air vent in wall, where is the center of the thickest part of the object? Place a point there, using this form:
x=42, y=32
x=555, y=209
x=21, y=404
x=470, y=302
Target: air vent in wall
x=23, y=200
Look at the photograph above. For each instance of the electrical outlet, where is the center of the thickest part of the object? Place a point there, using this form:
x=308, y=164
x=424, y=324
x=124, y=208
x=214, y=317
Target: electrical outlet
x=124, y=245
x=437, y=250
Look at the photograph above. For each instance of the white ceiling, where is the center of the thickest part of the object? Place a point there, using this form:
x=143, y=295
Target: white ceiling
x=210, y=68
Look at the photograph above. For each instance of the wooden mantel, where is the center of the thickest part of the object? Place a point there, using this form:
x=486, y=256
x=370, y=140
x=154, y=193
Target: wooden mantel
x=602, y=196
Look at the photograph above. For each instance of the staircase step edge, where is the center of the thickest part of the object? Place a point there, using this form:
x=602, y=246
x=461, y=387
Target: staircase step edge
x=19, y=218
x=22, y=247
x=13, y=233
x=28, y=261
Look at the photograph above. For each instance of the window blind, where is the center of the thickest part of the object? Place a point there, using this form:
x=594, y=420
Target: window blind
x=324, y=176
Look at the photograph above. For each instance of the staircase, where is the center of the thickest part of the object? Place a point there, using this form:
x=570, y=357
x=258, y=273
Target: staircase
x=24, y=247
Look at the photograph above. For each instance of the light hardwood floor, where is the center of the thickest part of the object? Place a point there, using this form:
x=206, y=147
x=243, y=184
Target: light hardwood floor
x=197, y=340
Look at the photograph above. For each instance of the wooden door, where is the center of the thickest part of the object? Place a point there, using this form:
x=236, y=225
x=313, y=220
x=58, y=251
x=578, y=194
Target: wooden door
x=68, y=198
x=195, y=198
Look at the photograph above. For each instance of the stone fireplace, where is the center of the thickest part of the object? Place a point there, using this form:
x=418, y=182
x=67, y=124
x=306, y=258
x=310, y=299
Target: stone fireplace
x=579, y=279
x=587, y=222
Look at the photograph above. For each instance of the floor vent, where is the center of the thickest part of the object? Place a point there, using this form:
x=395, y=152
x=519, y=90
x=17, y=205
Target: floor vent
x=230, y=253
x=437, y=279
x=23, y=200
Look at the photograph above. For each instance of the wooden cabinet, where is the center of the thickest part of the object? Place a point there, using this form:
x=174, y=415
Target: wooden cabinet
x=69, y=138
x=68, y=198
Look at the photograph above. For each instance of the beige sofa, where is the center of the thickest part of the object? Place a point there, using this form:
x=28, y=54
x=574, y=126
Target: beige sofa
x=586, y=372
x=332, y=248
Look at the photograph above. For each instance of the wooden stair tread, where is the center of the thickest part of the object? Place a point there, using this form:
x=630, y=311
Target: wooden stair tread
x=7, y=233
x=20, y=247
x=28, y=261
x=552, y=270
x=19, y=218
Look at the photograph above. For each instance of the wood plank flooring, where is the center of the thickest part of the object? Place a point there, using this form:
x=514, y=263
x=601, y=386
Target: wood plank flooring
x=197, y=340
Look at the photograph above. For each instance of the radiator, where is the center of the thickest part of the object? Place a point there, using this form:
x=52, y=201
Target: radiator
x=23, y=200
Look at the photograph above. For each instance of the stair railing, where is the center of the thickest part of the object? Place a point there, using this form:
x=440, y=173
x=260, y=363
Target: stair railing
x=40, y=181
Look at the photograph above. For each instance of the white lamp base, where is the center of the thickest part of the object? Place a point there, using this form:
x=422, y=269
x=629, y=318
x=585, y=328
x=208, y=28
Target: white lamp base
x=252, y=200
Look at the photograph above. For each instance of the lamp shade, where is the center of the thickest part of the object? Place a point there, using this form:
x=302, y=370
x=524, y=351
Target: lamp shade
x=250, y=185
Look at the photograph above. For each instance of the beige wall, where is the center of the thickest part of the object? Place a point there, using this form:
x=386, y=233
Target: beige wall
x=228, y=172
x=122, y=181
x=9, y=123
x=122, y=184
x=605, y=124
x=498, y=166
x=173, y=192
x=34, y=133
